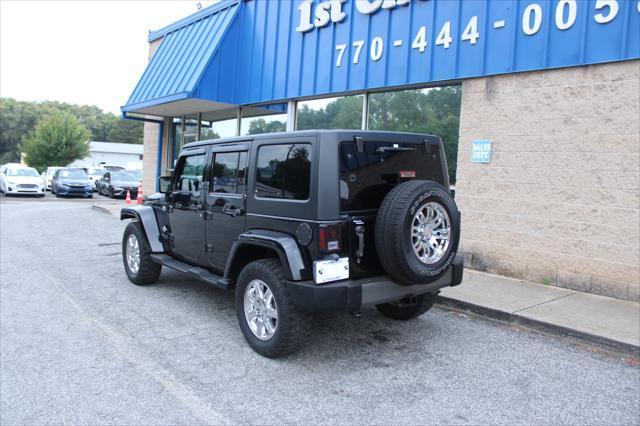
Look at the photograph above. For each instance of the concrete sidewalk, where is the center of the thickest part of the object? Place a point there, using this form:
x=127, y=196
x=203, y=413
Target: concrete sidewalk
x=609, y=322
x=602, y=320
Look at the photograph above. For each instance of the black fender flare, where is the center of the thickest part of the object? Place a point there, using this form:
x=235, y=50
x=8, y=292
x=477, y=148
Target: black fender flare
x=147, y=219
x=283, y=244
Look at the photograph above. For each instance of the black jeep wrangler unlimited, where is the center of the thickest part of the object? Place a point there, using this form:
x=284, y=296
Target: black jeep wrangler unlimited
x=301, y=222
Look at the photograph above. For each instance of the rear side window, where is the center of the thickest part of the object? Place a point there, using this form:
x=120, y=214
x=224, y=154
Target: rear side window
x=284, y=171
x=367, y=177
x=229, y=169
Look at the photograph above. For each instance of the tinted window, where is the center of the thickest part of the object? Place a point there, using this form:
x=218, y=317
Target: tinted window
x=190, y=173
x=284, y=171
x=124, y=177
x=367, y=177
x=229, y=172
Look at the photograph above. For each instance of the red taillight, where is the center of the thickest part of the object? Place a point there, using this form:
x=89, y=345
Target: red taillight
x=329, y=238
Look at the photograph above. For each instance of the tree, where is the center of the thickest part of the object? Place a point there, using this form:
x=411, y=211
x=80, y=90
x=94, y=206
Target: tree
x=57, y=141
x=260, y=125
x=19, y=118
x=431, y=111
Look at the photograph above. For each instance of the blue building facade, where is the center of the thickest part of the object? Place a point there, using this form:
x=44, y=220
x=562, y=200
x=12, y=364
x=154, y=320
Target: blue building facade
x=245, y=52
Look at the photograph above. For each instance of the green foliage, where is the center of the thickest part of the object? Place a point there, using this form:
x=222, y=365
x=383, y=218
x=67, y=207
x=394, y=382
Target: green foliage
x=343, y=113
x=434, y=111
x=18, y=119
x=207, y=134
x=261, y=125
x=58, y=140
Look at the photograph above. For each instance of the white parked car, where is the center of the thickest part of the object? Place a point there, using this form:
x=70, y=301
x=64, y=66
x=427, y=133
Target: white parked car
x=49, y=175
x=95, y=174
x=2, y=170
x=22, y=180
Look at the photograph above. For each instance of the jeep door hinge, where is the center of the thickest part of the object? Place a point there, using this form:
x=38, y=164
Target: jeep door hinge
x=208, y=248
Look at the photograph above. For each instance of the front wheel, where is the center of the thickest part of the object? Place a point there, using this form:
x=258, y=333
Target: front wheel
x=111, y=193
x=270, y=323
x=408, y=308
x=136, y=255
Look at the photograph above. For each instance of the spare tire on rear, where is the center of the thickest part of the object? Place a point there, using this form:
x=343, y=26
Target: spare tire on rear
x=417, y=232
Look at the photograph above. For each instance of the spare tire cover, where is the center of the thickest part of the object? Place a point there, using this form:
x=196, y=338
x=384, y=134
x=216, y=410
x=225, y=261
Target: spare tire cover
x=417, y=232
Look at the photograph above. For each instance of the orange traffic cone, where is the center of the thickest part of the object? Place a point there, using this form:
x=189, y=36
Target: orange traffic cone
x=128, y=199
x=139, y=200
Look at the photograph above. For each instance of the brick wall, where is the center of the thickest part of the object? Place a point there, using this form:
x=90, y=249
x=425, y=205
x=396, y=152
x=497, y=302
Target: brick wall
x=559, y=203
x=149, y=162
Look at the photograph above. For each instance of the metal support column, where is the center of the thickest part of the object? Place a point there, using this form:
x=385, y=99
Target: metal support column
x=238, y=121
x=291, y=116
x=199, y=126
x=365, y=112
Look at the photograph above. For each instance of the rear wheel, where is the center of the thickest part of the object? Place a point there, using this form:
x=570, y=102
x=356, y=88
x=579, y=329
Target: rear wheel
x=407, y=308
x=270, y=323
x=136, y=255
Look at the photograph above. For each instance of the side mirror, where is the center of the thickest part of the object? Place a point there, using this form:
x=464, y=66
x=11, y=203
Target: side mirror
x=164, y=184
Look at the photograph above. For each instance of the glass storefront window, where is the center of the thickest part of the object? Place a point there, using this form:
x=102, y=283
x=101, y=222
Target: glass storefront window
x=264, y=119
x=330, y=113
x=184, y=135
x=433, y=111
x=218, y=129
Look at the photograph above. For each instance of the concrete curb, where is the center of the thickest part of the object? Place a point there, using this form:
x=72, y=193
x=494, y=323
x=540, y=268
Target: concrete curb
x=545, y=327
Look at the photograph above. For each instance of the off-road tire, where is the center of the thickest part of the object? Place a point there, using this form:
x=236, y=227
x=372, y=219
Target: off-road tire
x=402, y=310
x=149, y=271
x=293, y=326
x=393, y=231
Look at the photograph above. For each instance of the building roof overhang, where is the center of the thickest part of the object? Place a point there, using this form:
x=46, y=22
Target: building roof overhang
x=169, y=85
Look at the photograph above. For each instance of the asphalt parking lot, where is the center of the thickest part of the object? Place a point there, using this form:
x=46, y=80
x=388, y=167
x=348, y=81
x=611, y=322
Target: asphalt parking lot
x=80, y=344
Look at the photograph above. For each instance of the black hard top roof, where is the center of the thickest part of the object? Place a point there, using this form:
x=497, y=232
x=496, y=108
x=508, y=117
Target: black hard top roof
x=341, y=133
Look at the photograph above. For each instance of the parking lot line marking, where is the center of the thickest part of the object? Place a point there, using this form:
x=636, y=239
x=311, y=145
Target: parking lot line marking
x=125, y=347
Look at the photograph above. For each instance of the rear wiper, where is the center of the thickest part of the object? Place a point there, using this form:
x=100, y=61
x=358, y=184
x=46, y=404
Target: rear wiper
x=384, y=149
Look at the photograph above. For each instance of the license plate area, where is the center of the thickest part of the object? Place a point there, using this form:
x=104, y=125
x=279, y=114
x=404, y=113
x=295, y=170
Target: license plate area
x=325, y=271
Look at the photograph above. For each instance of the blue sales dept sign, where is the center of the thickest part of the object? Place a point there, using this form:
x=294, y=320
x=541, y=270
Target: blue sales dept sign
x=481, y=151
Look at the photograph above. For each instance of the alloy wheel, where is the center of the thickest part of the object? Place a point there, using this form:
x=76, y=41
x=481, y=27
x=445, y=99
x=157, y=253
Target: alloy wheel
x=260, y=309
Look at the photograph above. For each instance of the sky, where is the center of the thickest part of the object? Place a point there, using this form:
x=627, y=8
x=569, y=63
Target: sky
x=80, y=52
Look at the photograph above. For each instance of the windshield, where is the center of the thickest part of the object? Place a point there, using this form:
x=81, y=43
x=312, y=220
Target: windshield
x=122, y=176
x=52, y=170
x=73, y=174
x=22, y=172
x=100, y=172
x=136, y=173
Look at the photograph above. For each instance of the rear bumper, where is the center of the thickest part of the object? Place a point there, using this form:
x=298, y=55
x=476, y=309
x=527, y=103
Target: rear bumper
x=351, y=295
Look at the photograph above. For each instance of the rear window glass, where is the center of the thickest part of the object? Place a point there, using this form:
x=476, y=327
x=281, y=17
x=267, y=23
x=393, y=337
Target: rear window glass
x=284, y=171
x=367, y=177
x=229, y=172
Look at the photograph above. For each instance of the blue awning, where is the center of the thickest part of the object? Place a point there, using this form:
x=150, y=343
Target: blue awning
x=176, y=68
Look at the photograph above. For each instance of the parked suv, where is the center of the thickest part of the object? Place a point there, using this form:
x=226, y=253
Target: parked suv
x=303, y=222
